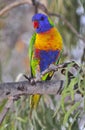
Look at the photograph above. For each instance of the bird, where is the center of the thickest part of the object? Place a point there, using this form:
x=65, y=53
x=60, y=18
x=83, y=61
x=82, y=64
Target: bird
x=45, y=48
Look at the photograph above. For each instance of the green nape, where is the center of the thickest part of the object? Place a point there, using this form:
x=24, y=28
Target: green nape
x=51, y=22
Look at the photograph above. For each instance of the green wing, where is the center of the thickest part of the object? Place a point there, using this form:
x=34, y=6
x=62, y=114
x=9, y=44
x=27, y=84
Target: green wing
x=31, y=50
x=32, y=41
x=34, y=99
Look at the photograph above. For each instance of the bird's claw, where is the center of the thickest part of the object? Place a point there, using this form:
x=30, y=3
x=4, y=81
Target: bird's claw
x=30, y=79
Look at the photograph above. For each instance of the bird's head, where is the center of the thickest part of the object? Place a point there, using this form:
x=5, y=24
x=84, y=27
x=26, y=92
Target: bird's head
x=41, y=23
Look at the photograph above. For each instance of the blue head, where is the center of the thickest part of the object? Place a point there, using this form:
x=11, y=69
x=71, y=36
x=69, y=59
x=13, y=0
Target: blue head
x=41, y=23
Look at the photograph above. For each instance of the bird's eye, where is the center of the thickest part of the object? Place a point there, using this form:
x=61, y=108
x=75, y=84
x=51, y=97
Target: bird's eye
x=42, y=18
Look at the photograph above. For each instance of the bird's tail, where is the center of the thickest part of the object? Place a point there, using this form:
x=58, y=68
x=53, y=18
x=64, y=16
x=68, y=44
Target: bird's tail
x=34, y=100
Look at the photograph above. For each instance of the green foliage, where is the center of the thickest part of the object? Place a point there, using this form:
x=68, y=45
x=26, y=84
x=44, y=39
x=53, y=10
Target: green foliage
x=70, y=91
x=2, y=104
x=64, y=114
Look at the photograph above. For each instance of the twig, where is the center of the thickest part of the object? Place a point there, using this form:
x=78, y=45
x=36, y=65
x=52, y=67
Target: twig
x=6, y=109
x=13, y=5
x=83, y=56
x=54, y=68
x=36, y=6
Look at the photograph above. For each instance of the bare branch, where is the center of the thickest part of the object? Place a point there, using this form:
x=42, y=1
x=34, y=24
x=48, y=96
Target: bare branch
x=40, y=87
x=25, y=88
x=14, y=90
x=13, y=5
x=6, y=109
x=35, y=4
x=54, y=68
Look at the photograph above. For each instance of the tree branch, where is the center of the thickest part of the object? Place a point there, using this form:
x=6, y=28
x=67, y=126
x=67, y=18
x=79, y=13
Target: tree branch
x=35, y=4
x=13, y=5
x=40, y=87
x=25, y=88
x=6, y=109
x=14, y=90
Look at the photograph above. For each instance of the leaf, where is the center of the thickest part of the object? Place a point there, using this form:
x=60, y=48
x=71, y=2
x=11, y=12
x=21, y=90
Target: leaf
x=58, y=108
x=64, y=95
x=2, y=104
x=74, y=119
x=71, y=87
x=38, y=120
x=20, y=119
x=70, y=111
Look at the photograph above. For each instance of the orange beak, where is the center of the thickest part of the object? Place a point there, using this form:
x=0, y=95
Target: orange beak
x=35, y=24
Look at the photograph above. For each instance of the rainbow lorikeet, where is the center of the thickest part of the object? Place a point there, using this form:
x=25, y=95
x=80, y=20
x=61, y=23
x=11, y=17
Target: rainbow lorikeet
x=45, y=49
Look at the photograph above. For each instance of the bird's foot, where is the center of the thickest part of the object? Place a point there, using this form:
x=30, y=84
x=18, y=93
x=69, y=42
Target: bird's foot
x=30, y=79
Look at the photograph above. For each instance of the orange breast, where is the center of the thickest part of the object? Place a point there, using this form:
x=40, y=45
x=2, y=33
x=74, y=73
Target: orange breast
x=50, y=40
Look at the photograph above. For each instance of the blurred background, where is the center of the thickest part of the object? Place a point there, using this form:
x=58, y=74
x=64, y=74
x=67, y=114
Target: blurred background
x=15, y=33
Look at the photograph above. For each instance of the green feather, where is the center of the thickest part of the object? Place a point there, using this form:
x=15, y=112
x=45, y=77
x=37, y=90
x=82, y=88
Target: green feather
x=32, y=41
x=51, y=22
x=34, y=99
x=32, y=63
